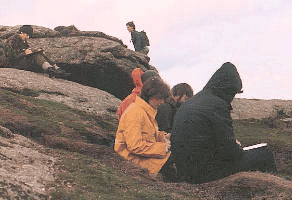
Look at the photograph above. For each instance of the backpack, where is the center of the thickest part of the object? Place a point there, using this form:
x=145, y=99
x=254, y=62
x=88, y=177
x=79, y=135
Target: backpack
x=145, y=38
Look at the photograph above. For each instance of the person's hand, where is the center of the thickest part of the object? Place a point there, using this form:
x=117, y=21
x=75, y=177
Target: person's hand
x=27, y=51
x=166, y=136
x=237, y=142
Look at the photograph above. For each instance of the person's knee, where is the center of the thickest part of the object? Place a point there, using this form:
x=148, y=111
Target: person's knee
x=39, y=59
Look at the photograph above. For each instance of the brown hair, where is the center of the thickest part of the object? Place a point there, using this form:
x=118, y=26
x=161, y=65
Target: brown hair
x=149, y=74
x=181, y=89
x=131, y=24
x=155, y=88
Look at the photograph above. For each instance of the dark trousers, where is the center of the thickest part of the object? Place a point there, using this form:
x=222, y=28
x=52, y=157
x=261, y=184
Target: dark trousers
x=260, y=159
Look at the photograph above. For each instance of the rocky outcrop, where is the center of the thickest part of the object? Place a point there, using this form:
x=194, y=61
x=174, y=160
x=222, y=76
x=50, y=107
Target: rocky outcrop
x=27, y=169
x=260, y=108
x=25, y=172
x=85, y=98
x=93, y=58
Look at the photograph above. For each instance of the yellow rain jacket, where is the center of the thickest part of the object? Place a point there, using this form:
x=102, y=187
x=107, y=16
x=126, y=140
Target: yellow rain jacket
x=138, y=138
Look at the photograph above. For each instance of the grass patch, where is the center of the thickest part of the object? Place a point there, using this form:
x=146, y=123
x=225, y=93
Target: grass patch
x=89, y=178
x=33, y=117
x=90, y=175
x=252, y=131
x=278, y=137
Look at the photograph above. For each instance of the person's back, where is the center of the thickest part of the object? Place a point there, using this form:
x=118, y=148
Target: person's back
x=204, y=147
x=193, y=139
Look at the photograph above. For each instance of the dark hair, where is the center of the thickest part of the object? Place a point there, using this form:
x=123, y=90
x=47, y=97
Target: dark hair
x=181, y=89
x=131, y=24
x=155, y=87
x=149, y=74
x=26, y=29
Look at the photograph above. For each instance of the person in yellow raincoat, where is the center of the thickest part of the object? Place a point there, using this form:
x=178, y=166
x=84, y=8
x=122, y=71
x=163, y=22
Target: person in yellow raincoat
x=138, y=138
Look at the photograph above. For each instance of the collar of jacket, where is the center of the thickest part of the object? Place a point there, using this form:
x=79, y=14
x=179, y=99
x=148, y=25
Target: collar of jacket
x=148, y=109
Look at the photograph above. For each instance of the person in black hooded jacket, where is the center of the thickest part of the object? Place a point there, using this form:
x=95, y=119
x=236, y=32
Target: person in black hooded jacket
x=204, y=147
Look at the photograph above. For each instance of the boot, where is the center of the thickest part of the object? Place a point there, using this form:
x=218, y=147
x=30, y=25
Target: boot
x=50, y=71
x=60, y=73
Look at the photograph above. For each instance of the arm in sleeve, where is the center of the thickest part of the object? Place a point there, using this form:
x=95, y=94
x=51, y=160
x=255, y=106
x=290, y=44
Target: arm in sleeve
x=136, y=142
x=226, y=145
x=14, y=50
x=163, y=118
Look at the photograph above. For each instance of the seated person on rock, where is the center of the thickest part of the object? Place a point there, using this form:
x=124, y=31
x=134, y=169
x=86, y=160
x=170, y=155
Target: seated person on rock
x=138, y=79
x=166, y=112
x=204, y=147
x=138, y=138
x=19, y=55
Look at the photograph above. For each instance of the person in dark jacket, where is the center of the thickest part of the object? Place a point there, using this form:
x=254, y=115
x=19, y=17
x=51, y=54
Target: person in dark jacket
x=204, y=147
x=166, y=112
x=139, y=43
x=20, y=55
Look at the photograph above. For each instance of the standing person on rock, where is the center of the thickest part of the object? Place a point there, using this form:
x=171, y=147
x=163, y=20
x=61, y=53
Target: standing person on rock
x=204, y=147
x=20, y=55
x=138, y=79
x=138, y=38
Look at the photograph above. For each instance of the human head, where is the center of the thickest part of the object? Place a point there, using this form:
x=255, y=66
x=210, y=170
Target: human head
x=225, y=82
x=181, y=92
x=130, y=26
x=27, y=29
x=149, y=74
x=155, y=90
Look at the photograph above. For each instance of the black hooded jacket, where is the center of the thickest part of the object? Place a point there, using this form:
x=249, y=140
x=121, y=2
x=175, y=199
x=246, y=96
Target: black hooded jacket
x=203, y=144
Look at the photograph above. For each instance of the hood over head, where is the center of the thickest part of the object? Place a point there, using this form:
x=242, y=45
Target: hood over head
x=225, y=82
x=136, y=74
x=149, y=74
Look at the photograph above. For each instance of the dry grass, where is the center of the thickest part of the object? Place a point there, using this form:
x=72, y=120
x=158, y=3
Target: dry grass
x=90, y=170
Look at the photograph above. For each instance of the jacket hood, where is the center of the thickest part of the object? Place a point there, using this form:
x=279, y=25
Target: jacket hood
x=136, y=74
x=151, y=112
x=225, y=82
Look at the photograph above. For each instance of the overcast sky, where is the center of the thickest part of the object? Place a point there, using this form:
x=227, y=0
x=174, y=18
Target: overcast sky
x=190, y=39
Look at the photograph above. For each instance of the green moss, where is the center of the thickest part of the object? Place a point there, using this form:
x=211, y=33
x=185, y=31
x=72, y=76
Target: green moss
x=46, y=117
x=95, y=180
